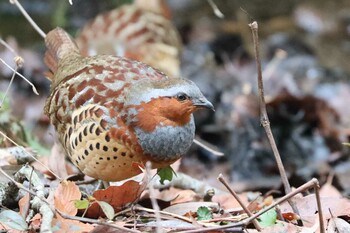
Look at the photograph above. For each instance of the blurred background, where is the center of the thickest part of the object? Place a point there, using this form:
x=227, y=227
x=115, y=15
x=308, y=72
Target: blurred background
x=305, y=52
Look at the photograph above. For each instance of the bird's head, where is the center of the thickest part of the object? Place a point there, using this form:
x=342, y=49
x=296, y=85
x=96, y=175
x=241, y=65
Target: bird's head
x=167, y=102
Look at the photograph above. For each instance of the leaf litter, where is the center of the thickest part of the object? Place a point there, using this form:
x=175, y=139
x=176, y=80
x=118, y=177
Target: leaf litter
x=186, y=209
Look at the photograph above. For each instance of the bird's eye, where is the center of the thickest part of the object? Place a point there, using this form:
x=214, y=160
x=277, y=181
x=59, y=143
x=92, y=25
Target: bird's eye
x=182, y=97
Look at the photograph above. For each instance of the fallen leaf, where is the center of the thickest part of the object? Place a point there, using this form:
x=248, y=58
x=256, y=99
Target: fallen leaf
x=107, y=209
x=284, y=227
x=23, y=202
x=338, y=225
x=108, y=229
x=35, y=222
x=227, y=201
x=61, y=225
x=66, y=193
x=183, y=208
x=308, y=208
x=328, y=190
x=57, y=161
x=13, y=220
x=116, y=196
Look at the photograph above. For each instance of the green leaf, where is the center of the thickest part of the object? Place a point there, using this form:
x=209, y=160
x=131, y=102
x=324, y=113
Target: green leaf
x=203, y=213
x=107, y=209
x=81, y=204
x=13, y=220
x=165, y=173
x=268, y=218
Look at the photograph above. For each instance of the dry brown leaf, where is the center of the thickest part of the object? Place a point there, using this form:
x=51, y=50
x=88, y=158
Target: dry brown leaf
x=117, y=196
x=183, y=208
x=227, y=201
x=23, y=202
x=35, y=222
x=107, y=229
x=61, y=225
x=284, y=227
x=178, y=195
x=57, y=161
x=66, y=193
x=328, y=190
x=308, y=208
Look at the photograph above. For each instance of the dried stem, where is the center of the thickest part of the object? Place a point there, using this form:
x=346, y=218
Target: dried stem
x=30, y=20
x=8, y=87
x=313, y=183
x=6, y=45
x=234, y=194
x=319, y=206
x=95, y=221
x=152, y=196
x=25, y=151
x=20, y=75
x=264, y=119
x=207, y=146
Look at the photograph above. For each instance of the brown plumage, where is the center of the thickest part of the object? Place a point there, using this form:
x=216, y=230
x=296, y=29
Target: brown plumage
x=111, y=112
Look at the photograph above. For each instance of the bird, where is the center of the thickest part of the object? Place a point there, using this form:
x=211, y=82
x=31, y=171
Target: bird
x=112, y=113
x=141, y=31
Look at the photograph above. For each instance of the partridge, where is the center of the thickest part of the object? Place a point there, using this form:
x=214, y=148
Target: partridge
x=111, y=113
x=140, y=31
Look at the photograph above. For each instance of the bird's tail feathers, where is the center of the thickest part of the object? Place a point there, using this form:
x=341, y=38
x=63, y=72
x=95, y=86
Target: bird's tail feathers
x=59, y=45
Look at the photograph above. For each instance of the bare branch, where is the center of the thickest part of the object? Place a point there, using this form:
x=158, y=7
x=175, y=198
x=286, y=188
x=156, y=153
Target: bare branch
x=30, y=20
x=207, y=146
x=20, y=75
x=234, y=194
x=25, y=151
x=152, y=196
x=264, y=119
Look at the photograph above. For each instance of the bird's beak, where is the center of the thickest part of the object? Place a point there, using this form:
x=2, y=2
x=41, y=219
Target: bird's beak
x=203, y=103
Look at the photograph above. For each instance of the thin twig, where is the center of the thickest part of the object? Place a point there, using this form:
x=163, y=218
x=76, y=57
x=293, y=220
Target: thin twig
x=318, y=199
x=165, y=213
x=8, y=87
x=265, y=119
x=20, y=75
x=6, y=45
x=30, y=20
x=95, y=221
x=234, y=194
x=313, y=183
x=25, y=151
x=20, y=186
x=39, y=202
x=206, y=146
x=152, y=196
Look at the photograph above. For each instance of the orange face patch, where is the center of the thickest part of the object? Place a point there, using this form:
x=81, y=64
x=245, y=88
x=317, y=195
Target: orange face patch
x=164, y=111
